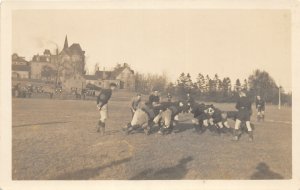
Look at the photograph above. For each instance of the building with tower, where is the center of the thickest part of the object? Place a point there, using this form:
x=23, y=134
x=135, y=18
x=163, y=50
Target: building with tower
x=60, y=66
x=66, y=68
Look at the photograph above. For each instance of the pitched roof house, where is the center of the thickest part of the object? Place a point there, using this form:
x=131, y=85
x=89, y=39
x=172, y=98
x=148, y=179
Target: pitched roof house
x=123, y=76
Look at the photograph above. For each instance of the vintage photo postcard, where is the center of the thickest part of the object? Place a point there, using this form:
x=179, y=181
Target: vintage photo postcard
x=150, y=95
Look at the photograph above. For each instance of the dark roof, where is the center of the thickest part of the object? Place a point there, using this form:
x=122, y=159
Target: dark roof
x=42, y=58
x=75, y=48
x=93, y=87
x=20, y=68
x=101, y=74
x=47, y=52
x=16, y=58
x=111, y=74
x=90, y=77
x=118, y=71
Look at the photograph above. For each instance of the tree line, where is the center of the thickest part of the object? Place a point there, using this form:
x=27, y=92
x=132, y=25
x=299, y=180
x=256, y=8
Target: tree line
x=216, y=89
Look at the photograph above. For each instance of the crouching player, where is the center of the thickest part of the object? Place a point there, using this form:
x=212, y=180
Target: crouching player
x=102, y=101
x=135, y=103
x=169, y=116
x=200, y=119
x=142, y=118
x=243, y=106
x=203, y=119
x=218, y=119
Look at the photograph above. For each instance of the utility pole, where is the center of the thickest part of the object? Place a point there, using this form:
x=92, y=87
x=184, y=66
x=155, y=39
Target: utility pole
x=279, y=97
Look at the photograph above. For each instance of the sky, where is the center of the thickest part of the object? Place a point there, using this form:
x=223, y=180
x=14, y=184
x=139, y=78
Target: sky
x=231, y=43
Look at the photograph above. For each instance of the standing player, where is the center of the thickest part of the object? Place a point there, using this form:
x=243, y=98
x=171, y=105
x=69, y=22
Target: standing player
x=135, y=103
x=102, y=101
x=189, y=99
x=169, y=97
x=154, y=98
x=243, y=106
x=260, y=107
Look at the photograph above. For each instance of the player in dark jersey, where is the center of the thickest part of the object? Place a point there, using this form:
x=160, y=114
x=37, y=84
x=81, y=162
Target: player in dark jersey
x=102, y=101
x=243, y=106
x=189, y=99
x=169, y=116
x=142, y=118
x=219, y=119
x=260, y=107
x=202, y=117
x=154, y=98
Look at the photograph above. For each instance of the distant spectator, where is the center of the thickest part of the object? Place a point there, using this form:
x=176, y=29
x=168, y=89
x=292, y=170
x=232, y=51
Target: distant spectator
x=260, y=107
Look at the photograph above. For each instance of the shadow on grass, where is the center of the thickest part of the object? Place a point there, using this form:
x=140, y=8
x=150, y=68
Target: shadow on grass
x=89, y=173
x=44, y=123
x=263, y=172
x=171, y=173
x=181, y=127
x=112, y=132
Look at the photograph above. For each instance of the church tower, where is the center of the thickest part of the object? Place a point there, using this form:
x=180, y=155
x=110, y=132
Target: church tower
x=66, y=46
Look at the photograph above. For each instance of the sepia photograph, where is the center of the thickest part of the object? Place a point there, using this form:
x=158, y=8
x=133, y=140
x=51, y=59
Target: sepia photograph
x=151, y=94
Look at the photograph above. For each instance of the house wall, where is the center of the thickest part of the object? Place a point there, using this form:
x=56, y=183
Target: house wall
x=127, y=77
x=21, y=74
x=36, y=69
x=74, y=82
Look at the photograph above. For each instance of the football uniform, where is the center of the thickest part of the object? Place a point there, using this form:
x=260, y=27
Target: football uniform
x=102, y=101
x=260, y=105
x=243, y=106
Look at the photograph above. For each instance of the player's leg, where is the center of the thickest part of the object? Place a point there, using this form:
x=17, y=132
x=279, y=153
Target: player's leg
x=250, y=131
x=164, y=122
x=103, y=117
x=168, y=121
x=137, y=120
x=227, y=127
x=99, y=124
x=132, y=112
x=134, y=121
x=211, y=125
x=258, y=116
x=100, y=121
x=205, y=125
x=221, y=129
x=263, y=115
x=236, y=129
x=196, y=124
